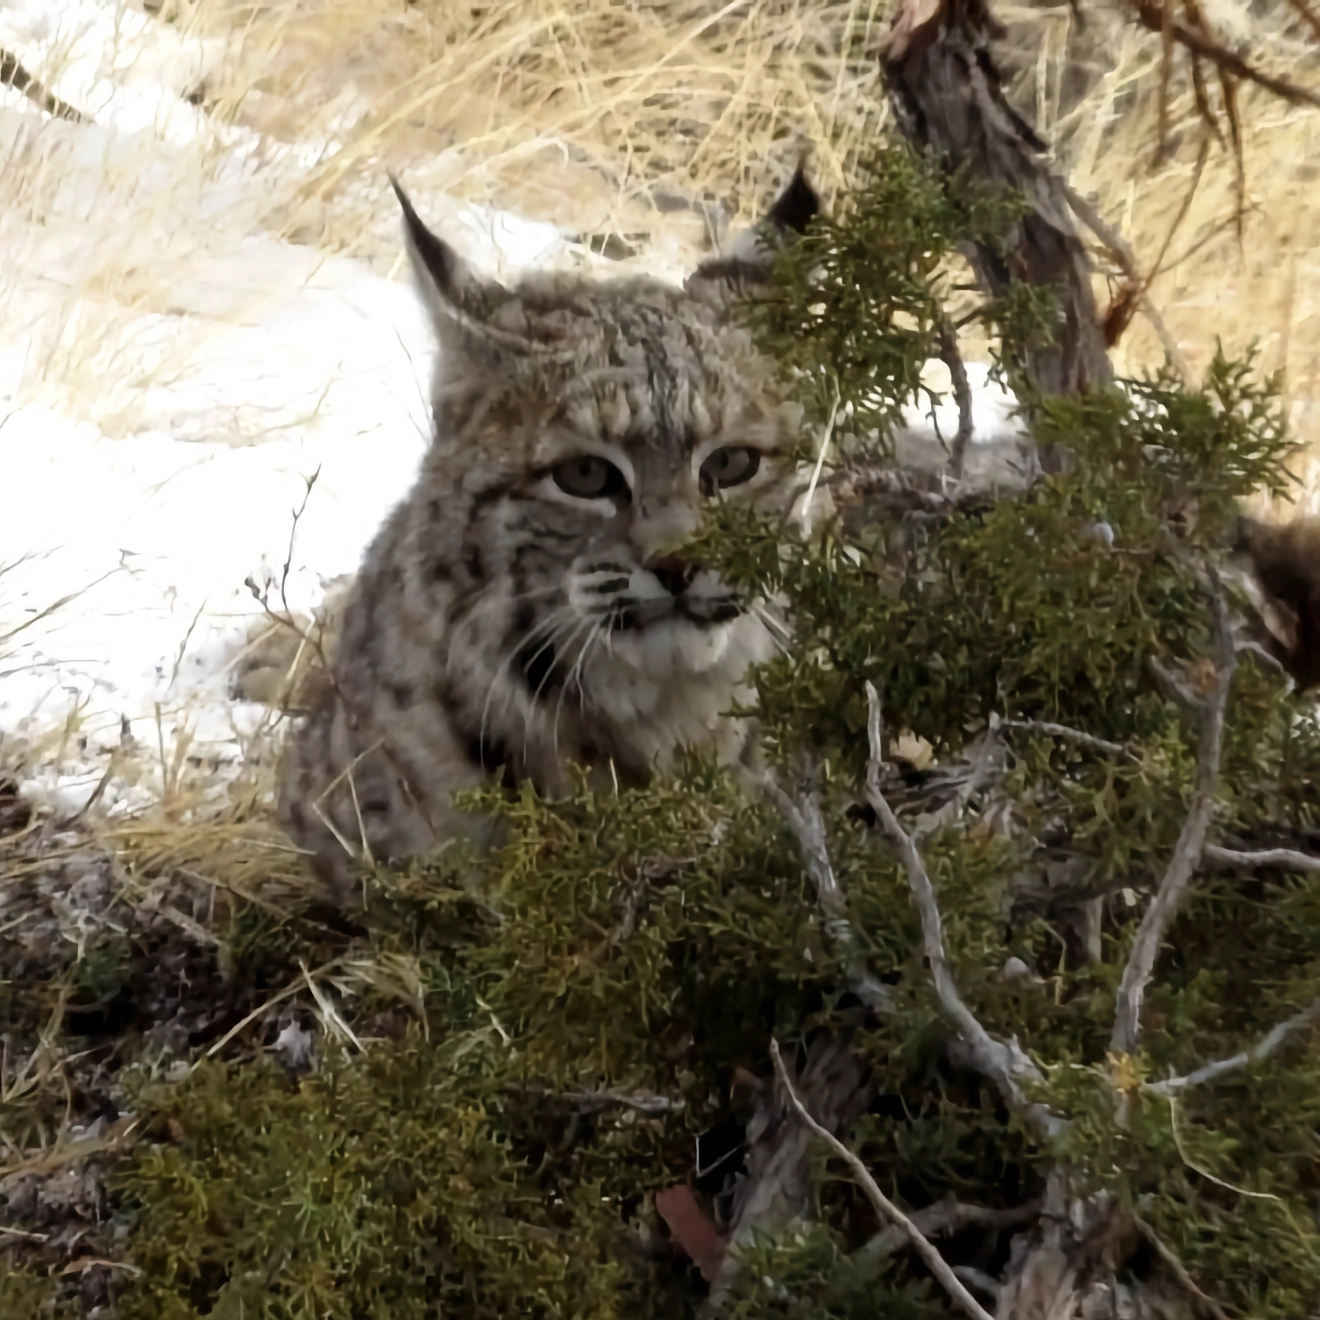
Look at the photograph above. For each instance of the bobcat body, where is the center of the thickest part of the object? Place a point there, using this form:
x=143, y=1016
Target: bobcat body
x=529, y=604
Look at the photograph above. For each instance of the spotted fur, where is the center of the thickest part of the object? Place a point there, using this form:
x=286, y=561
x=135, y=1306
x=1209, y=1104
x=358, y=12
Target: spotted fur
x=529, y=604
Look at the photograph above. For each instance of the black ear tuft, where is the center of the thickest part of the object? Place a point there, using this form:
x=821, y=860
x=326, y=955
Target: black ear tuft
x=798, y=204
x=440, y=260
x=749, y=261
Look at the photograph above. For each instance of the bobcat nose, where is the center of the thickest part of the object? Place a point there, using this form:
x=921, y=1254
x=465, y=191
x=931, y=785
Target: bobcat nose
x=672, y=573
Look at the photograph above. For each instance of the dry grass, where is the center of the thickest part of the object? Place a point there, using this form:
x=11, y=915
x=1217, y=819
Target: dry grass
x=601, y=117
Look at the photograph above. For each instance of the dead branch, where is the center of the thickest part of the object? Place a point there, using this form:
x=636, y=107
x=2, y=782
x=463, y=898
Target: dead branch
x=1052, y=730
x=803, y=817
x=1005, y=1064
x=1272, y=1040
x=13, y=74
x=985, y=765
x=979, y=1279
x=595, y=1102
x=1285, y=858
x=938, y=1266
x=1308, y=14
x=776, y=1190
x=962, y=393
x=1206, y=47
x=939, y=1220
x=1191, y=841
x=1170, y=1258
x=1121, y=250
x=947, y=95
x=1174, y=688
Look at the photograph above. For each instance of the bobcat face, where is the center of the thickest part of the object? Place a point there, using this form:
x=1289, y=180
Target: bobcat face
x=597, y=422
x=622, y=502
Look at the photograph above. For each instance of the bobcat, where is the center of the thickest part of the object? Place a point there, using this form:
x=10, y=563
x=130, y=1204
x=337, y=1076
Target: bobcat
x=529, y=604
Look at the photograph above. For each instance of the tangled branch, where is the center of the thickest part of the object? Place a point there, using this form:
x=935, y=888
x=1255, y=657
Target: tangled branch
x=803, y=817
x=1191, y=841
x=1006, y=1064
x=1271, y=1041
x=939, y=1267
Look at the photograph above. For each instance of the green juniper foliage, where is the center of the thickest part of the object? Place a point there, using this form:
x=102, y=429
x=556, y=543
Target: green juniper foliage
x=580, y=1006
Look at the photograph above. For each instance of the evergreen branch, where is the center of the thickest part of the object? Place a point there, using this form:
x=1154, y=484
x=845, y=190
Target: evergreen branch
x=939, y=1220
x=804, y=819
x=1003, y=1063
x=1191, y=841
x=939, y=1267
x=1288, y=858
x=1272, y=1040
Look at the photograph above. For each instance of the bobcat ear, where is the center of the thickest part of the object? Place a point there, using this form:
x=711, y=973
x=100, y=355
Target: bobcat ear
x=797, y=206
x=449, y=287
x=465, y=308
x=750, y=257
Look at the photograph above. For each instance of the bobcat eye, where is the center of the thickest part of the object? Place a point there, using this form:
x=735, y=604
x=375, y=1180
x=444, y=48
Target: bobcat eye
x=589, y=478
x=730, y=466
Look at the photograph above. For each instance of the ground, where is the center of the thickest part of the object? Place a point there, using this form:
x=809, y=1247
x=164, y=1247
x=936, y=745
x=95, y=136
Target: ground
x=205, y=307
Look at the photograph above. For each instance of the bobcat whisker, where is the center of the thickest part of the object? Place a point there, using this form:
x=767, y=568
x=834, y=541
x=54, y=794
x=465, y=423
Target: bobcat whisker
x=575, y=674
x=554, y=625
x=581, y=625
x=486, y=605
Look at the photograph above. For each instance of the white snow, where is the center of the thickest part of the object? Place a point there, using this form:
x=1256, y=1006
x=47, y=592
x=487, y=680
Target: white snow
x=171, y=375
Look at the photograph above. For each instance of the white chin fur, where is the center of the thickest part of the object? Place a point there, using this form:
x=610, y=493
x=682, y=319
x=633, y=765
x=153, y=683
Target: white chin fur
x=673, y=647
x=677, y=674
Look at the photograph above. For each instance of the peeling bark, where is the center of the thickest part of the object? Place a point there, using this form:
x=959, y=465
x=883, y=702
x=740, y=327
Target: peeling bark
x=948, y=97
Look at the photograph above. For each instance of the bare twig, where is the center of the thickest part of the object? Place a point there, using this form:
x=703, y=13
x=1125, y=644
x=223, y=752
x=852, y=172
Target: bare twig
x=286, y=568
x=594, y=1102
x=1169, y=1257
x=1122, y=252
x=1287, y=858
x=1272, y=1040
x=826, y=436
x=938, y=1266
x=804, y=819
x=1198, y=43
x=1307, y=13
x=939, y=1220
x=962, y=393
x=979, y=1279
x=1005, y=1064
x=1052, y=730
x=1191, y=841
